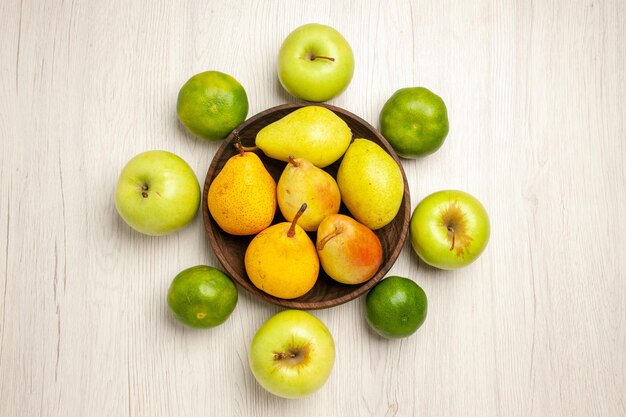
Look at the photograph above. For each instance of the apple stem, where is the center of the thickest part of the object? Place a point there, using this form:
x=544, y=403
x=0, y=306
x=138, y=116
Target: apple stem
x=144, y=191
x=284, y=355
x=292, y=229
x=324, y=241
x=451, y=231
x=292, y=161
x=314, y=57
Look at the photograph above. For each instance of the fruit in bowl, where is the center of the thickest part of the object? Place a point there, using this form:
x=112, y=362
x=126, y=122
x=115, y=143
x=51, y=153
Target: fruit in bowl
x=242, y=198
x=230, y=249
x=303, y=181
x=349, y=252
x=314, y=133
x=371, y=183
x=281, y=260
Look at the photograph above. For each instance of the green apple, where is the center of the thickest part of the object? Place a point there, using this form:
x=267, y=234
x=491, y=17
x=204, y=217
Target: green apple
x=449, y=229
x=315, y=63
x=157, y=193
x=292, y=354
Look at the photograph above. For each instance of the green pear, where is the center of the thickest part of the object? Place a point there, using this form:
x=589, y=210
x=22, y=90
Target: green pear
x=371, y=184
x=314, y=133
x=303, y=181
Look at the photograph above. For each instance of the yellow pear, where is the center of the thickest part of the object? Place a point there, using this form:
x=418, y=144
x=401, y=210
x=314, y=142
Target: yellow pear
x=371, y=184
x=282, y=260
x=314, y=133
x=242, y=197
x=303, y=181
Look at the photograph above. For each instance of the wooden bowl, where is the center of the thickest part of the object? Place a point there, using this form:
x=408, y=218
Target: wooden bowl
x=230, y=250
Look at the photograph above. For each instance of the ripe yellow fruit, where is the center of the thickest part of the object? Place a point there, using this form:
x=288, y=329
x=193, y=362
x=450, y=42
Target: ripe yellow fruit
x=242, y=197
x=314, y=133
x=282, y=260
x=371, y=184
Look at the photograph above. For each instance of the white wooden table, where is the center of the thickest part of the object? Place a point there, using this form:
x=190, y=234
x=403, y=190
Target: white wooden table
x=535, y=93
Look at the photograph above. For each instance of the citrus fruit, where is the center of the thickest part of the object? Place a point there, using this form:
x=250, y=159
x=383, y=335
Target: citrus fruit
x=202, y=296
x=414, y=121
x=211, y=104
x=396, y=307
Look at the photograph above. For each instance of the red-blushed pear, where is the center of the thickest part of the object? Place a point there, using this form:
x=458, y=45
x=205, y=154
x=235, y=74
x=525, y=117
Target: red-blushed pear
x=292, y=354
x=349, y=252
x=449, y=229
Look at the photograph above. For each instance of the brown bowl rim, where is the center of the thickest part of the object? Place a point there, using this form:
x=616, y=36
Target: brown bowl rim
x=298, y=303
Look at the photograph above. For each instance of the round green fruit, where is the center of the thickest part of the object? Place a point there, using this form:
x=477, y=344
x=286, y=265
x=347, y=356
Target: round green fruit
x=157, y=193
x=202, y=296
x=449, y=229
x=211, y=104
x=292, y=354
x=396, y=307
x=415, y=122
x=315, y=63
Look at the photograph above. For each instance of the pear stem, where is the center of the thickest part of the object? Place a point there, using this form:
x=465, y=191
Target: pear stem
x=324, y=241
x=292, y=161
x=250, y=148
x=292, y=229
x=238, y=144
x=242, y=149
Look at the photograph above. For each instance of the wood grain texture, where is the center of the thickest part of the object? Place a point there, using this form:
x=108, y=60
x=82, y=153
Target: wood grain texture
x=535, y=93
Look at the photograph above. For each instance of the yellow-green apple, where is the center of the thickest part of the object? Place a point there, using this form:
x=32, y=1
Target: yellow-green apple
x=449, y=229
x=349, y=252
x=157, y=193
x=292, y=354
x=315, y=63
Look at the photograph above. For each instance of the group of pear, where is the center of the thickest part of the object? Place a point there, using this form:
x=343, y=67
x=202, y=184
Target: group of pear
x=282, y=259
